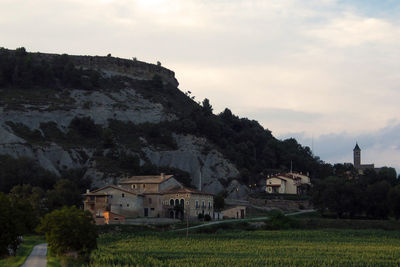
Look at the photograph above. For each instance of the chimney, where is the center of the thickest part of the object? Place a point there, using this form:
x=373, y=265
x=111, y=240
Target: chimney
x=162, y=176
x=87, y=191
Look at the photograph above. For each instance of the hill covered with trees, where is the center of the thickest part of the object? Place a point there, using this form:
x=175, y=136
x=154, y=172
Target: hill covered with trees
x=109, y=118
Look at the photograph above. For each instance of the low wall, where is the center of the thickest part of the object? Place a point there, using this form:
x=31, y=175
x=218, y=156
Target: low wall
x=282, y=204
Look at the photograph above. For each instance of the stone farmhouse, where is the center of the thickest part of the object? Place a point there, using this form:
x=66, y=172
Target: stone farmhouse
x=157, y=196
x=287, y=183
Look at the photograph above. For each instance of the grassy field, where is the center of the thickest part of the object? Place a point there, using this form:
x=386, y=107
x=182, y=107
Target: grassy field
x=23, y=251
x=244, y=248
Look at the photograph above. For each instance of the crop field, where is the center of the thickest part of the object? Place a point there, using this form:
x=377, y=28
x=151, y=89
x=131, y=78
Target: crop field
x=251, y=248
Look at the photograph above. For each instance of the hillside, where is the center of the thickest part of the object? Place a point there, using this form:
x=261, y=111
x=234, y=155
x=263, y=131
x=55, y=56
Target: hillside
x=112, y=117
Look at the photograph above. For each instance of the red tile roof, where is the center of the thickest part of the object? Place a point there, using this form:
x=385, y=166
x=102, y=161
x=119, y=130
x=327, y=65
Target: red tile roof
x=111, y=186
x=147, y=179
x=183, y=190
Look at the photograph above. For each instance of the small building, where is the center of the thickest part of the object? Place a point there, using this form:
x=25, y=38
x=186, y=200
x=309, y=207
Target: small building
x=238, y=212
x=287, y=183
x=114, y=199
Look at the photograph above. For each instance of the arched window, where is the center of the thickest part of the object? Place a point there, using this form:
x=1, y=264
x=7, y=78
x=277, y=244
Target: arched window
x=182, y=202
x=171, y=202
x=176, y=202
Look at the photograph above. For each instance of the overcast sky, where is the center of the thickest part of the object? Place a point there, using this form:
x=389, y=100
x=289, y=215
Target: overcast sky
x=323, y=71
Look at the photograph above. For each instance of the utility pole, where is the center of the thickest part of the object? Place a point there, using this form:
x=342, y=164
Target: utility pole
x=187, y=220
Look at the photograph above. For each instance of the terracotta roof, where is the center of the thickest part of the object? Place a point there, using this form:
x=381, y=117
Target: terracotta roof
x=148, y=179
x=183, y=190
x=112, y=186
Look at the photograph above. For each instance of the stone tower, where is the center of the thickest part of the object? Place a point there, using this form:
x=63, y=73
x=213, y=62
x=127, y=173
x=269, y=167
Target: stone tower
x=357, y=156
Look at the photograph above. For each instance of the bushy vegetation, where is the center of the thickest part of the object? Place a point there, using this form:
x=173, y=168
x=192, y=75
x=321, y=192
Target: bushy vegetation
x=69, y=230
x=19, y=69
x=372, y=194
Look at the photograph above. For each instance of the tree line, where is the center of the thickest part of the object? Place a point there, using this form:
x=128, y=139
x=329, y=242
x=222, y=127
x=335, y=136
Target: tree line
x=348, y=194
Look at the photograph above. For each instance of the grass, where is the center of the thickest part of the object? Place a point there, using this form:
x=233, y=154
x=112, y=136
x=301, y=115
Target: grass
x=250, y=248
x=23, y=251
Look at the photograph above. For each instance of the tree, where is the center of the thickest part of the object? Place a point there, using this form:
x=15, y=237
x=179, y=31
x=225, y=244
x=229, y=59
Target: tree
x=219, y=202
x=394, y=201
x=69, y=230
x=65, y=193
x=207, y=108
x=9, y=234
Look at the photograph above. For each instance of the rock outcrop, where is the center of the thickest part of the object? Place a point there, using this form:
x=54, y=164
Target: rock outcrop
x=208, y=168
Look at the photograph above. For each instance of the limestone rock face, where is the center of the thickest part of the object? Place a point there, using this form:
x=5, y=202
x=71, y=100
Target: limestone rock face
x=208, y=168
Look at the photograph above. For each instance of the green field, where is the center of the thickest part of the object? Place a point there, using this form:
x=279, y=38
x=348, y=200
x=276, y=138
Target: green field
x=245, y=248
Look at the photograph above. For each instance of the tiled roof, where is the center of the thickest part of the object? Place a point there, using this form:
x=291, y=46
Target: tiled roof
x=148, y=179
x=183, y=190
x=111, y=186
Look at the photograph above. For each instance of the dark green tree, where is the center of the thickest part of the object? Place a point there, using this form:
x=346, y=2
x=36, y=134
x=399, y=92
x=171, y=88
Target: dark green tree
x=69, y=230
x=65, y=193
x=394, y=201
x=9, y=231
x=207, y=108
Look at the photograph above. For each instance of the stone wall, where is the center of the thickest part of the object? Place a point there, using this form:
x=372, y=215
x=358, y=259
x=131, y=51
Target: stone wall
x=282, y=204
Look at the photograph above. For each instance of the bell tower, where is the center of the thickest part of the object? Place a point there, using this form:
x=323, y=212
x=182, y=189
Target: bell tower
x=357, y=156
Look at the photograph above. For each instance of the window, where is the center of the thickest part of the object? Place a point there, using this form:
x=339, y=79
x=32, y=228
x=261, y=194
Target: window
x=149, y=200
x=91, y=197
x=203, y=203
x=144, y=186
x=120, y=205
x=133, y=186
x=123, y=195
x=209, y=204
x=152, y=209
x=197, y=204
x=127, y=204
x=116, y=219
x=171, y=202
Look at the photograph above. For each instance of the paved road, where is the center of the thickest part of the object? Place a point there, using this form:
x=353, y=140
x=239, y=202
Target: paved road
x=37, y=257
x=243, y=220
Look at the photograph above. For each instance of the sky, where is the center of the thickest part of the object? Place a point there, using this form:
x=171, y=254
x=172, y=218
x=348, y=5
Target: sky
x=325, y=72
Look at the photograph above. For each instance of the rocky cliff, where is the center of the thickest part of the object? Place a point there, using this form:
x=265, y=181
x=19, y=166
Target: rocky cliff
x=39, y=122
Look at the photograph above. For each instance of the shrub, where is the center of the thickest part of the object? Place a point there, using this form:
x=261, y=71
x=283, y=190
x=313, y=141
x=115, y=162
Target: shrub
x=277, y=221
x=207, y=217
x=69, y=230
